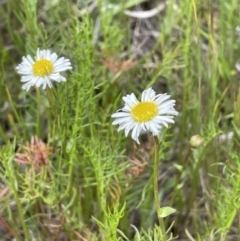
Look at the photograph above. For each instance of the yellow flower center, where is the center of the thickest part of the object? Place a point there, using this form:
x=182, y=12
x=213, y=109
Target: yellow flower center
x=144, y=111
x=42, y=67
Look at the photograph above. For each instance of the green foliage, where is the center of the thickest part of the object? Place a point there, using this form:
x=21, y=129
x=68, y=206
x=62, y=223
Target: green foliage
x=112, y=221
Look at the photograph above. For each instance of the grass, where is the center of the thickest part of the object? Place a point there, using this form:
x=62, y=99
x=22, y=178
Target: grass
x=98, y=184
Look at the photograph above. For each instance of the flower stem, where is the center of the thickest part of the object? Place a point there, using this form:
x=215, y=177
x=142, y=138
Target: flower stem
x=52, y=107
x=155, y=186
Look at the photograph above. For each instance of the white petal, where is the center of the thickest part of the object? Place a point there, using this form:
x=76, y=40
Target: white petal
x=154, y=129
x=57, y=77
x=48, y=55
x=38, y=55
x=29, y=60
x=120, y=114
x=59, y=61
x=148, y=95
x=162, y=98
x=27, y=78
x=136, y=132
x=167, y=119
x=125, y=125
x=130, y=100
x=169, y=103
x=121, y=120
x=27, y=86
x=53, y=57
x=129, y=128
x=62, y=68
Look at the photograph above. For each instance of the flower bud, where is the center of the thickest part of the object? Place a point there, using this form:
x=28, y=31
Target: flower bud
x=196, y=141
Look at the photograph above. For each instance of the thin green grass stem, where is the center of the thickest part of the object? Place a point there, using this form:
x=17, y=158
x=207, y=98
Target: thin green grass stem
x=155, y=185
x=17, y=116
x=39, y=125
x=17, y=199
x=49, y=96
x=13, y=106
x=73, y=150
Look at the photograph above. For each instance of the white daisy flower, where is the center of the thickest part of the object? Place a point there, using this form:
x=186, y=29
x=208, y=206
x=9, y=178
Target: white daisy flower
x=151, y=114
x=43, y=70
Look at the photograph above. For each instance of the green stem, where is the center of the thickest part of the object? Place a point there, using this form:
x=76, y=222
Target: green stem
x=228, y=224
x=39, y=123
x=14, y=187
x=52, y=107
x=155, y=185
x=17, y=116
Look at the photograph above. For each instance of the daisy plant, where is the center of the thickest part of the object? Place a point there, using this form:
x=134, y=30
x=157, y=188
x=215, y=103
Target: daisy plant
x=42, y=70
x=153, y=113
